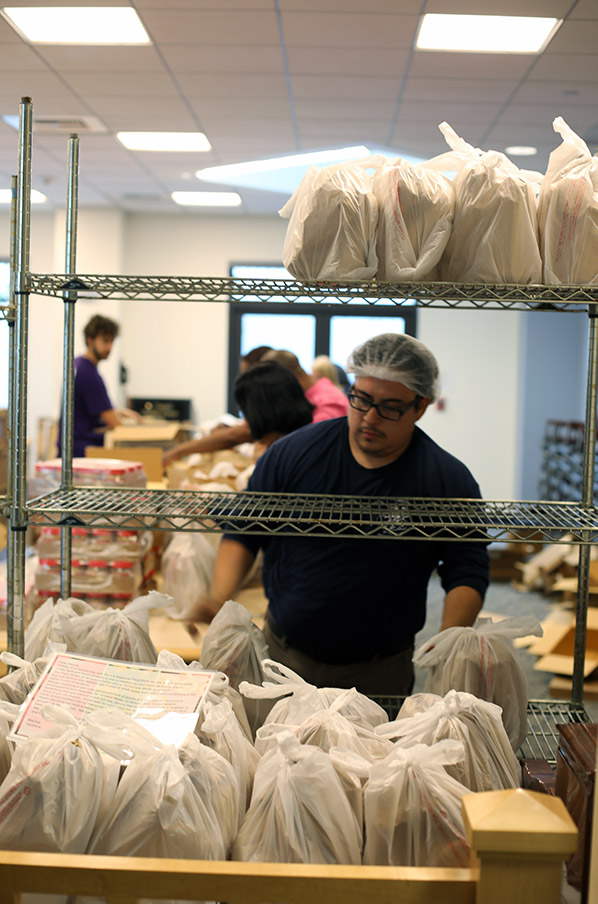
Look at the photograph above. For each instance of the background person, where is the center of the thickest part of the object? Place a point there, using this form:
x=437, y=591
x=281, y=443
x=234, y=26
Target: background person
x=323, y=367
x=328, y=400
x=93, y=410
x=344, y=612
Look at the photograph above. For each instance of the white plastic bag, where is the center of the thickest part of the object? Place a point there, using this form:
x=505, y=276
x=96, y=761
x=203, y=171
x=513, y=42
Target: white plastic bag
x=332, y=226
x=568, y=212
x=415, y=217
x=489, y=763
x=157, y=810
x=482, y=661
x=48, y=622
x=15, y=685
x=187, y=566
x=299, y=812
x=296, y=699
x=412, y=809
x=55, y=789
x=115, y=633
x=221, y=732
x=495, y=228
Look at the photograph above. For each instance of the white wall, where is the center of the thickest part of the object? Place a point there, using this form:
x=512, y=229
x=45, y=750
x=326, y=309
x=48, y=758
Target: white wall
x=179, y=349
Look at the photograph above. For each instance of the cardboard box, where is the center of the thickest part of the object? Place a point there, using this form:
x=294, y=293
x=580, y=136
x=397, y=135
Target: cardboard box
x=164, y=434
x=556, y=647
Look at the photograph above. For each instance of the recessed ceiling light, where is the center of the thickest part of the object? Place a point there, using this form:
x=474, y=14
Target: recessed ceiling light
x=228, y=172
x=521, y=150
x=36, y=196
x=165, y=141
x=207, y=198
x=485, y=34
x=77, y=24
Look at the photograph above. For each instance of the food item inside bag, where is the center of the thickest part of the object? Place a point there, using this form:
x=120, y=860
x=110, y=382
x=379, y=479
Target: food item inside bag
x=412, y=809
x=568, y=212
x=495, y=227
x=187, y=566
x=332, y=226
x=415, y=218
x=482, y=661
x=299, y=812
x=489, y=763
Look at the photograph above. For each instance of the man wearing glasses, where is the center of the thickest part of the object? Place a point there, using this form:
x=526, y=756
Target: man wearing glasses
x=344, y=612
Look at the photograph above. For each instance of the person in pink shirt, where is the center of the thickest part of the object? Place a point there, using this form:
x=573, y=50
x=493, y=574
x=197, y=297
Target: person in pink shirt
x=328, y=400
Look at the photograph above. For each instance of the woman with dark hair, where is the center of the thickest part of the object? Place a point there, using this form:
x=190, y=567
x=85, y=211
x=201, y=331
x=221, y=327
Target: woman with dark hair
x=272, y=402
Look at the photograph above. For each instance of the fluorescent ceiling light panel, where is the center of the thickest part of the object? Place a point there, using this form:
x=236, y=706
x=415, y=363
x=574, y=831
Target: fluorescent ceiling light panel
x=36, y=196
x=207, y=198
x=521, y=150
x=485, y=34
x=283, y=174
x=177, y=142
x=77, y=24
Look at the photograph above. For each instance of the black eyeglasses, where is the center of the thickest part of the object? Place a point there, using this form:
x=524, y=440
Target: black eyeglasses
x=388, y=412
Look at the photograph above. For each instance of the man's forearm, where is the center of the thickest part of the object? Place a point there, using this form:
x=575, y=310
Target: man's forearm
x=221, y=439
x=461, y=607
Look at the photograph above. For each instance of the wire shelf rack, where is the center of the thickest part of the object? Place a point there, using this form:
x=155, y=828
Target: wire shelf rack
x=289, y=514
x=436, y=294
x=7, y=312
x=543, y=716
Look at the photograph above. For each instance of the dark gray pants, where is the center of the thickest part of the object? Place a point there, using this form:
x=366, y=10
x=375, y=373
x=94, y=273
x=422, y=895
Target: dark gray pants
x=380, y=676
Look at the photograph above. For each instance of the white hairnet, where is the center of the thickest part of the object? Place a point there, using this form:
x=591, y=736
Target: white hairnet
x=399, y=358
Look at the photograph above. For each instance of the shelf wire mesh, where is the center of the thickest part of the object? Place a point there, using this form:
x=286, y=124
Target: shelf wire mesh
x=437, y=294
x=288, y=514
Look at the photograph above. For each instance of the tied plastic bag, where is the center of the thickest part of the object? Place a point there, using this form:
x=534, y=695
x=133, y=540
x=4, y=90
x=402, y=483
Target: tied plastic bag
x=412, y=809
x=326, y=728
x=332, y=227
x=482, y=661
x=8, y=714
x=221, y=732
x=187, y=566
x=115, y=633
x=568, y=212
x=15, y=686
x=157, y=810
x=489, y=763
x=58, y=784
x=299, y=812
x=218, y=691
x=48, y=622
x=298, y=700
x=415, y=217
x=495, y=228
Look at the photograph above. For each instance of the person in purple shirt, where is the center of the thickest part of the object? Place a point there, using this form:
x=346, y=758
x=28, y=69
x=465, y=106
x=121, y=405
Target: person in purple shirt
x=93, y=410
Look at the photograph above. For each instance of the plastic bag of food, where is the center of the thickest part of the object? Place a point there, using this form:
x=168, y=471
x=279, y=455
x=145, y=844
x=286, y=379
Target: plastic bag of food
x=115, y=633
x=332, y=223
x=326, y=728
x=157, y=810
x=568, y=212
x=415, y=218
x=48, y=622
x=299, y=812
x=296, y=699
x=489, y=763
x=187, y=566
x=8, y=714
x=15, y=685
x=412, y=809
x=56, y=787
x=482, y=661
x=218, y=690
x=495, y=227
x=221, y=732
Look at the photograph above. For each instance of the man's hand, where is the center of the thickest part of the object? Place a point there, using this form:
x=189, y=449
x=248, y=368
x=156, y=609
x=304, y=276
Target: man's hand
x=204, y=610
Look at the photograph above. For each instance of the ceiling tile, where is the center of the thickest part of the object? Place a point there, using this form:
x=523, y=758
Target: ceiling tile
x=545, y=92
x=579, y=36
x=197, y=84
x=227, y=107
x=100, y=59
x=556, y=8
x=178, y=26
x=343, y=61
x=307, y=86
x=361, y=30
x=429, y=89
x=469, y=66
x=412, y=7
x=567, y=67
x=130, y=84
x=256, y=58
x=343, y=108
